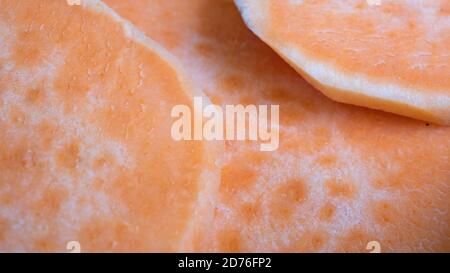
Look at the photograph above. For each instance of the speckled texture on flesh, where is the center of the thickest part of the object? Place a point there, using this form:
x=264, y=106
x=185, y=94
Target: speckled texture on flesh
x=85, y=148
x=394, y=56
x=343, y=175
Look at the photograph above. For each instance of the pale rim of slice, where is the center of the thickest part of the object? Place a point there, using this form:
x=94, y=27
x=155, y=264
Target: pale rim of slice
x=209, y=177
x=356, y=89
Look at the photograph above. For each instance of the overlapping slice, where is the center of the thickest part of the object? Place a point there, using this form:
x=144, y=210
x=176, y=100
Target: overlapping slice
x=388, y=55
x=343, y=175
x=85, y=147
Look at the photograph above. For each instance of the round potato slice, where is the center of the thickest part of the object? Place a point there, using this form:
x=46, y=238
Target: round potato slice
x=343, y=176
x=86, y=152
x=388, y=55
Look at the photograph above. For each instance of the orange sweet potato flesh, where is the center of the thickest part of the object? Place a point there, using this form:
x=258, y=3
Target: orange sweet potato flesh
x=343, y=175
x=85, y=146
x=391, y=55
x=396, y=40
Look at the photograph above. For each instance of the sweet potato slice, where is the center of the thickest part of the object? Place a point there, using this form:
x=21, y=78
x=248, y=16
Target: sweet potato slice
x=343, y=175
x=86, y=152
x=388, y=55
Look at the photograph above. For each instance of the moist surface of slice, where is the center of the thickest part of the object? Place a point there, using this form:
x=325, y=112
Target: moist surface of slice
x=394, y=56
x=342, y=176
x=86, y=152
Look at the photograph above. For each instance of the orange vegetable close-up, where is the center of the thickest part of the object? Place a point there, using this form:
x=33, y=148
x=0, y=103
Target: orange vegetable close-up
x=212, y=126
